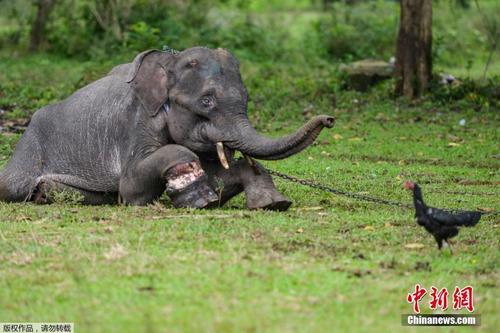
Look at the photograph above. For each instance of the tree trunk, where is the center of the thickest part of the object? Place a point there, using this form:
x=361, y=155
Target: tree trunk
x=414, y=48
x=37, y=37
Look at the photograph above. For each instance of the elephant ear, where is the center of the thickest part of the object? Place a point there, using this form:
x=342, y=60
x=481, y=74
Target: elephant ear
x=148, y=78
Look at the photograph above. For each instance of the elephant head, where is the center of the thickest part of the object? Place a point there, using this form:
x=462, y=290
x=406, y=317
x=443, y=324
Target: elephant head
x=206, y=103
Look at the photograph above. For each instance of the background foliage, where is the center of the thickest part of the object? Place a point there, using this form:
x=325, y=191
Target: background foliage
x=256, y=28
x=275, y=40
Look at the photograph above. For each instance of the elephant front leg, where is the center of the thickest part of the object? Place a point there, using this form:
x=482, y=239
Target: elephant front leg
x=258, y=185
x=172, y=168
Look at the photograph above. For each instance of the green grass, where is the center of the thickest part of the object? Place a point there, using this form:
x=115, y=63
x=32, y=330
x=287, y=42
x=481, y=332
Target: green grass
x=327, y=264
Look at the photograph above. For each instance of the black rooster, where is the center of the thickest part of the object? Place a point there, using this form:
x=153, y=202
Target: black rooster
x=441, y=224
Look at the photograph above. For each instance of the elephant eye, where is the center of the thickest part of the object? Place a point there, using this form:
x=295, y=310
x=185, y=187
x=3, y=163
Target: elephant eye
x=207, y=101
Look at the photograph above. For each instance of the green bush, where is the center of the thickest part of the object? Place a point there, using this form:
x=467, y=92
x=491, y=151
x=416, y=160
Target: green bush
x=296, y=32
x=474, y=94
x=142, y=36
x=90, y=29
x=71, y=31
x=360, y=31
x=464, y=36
x=14, y=17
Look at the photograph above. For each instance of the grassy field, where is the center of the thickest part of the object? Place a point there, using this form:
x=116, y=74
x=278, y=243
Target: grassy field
x=327, y=264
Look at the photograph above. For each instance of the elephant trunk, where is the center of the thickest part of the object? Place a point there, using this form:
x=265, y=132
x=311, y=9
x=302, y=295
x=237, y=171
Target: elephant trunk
x=251, y=143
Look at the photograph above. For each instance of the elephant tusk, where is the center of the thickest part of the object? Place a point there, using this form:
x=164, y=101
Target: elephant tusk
x=222, y=155
x=252, y=163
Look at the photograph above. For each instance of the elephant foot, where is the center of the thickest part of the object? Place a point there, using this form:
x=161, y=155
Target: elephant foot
x=196, y=195
x=268, y=200
x=281, y=205
x=187, y=187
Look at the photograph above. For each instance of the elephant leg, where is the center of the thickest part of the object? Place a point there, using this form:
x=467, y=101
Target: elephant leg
x=173, y=168
x=259, y=188
x=226, y=183
x=47, y=191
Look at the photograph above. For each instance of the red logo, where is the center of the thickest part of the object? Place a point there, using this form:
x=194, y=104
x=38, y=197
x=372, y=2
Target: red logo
x=462, y=298
x=438, y=299
x=416, y=297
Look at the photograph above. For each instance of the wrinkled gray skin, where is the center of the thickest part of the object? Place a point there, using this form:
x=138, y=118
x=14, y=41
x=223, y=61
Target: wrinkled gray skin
x=115, y=139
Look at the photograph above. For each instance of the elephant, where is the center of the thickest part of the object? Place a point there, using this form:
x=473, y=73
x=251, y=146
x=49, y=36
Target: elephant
x=166, y=122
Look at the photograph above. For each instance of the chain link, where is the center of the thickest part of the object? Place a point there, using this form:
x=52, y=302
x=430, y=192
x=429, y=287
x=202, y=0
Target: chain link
x=357, y=196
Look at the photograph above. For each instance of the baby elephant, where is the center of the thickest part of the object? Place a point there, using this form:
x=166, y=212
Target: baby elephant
x=165, y=122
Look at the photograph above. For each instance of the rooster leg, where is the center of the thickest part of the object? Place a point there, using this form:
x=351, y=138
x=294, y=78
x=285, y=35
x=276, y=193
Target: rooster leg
x=439, y=241
x=447, y=245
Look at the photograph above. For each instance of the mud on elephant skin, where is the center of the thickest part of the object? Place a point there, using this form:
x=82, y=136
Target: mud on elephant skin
x=165, y=122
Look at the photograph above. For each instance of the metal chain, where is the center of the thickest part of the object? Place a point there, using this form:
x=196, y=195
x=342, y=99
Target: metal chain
x=357, y=196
